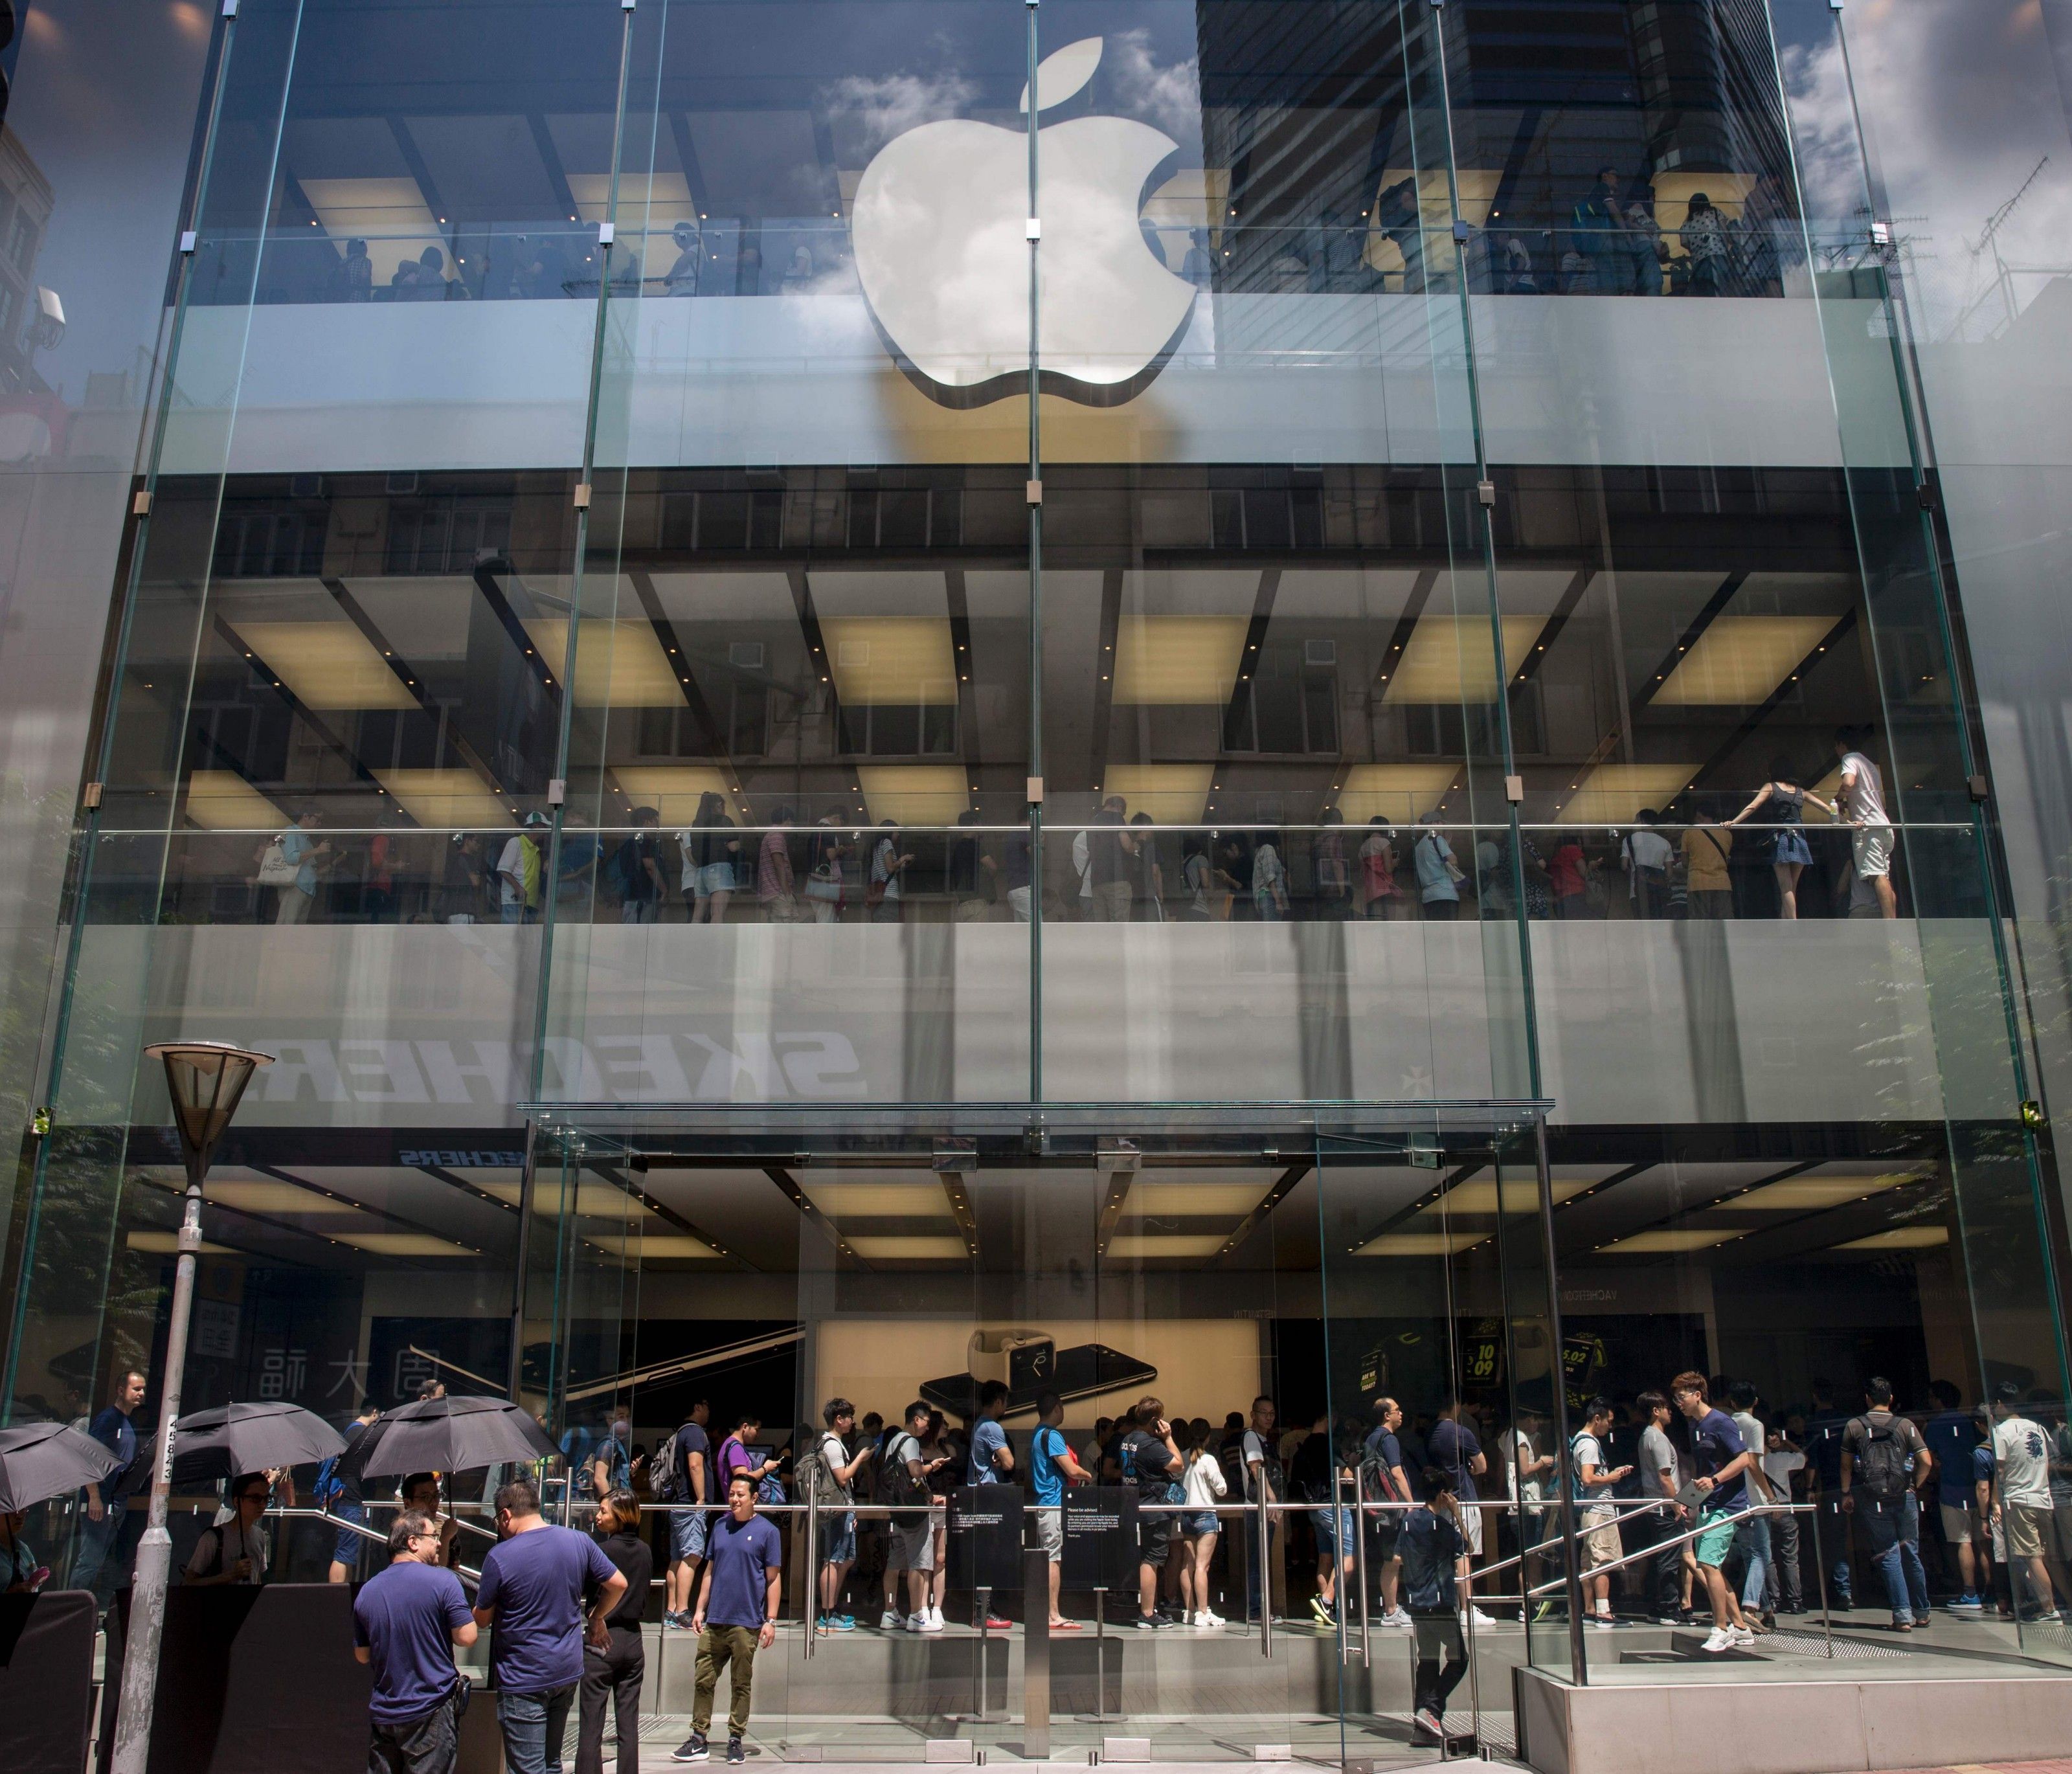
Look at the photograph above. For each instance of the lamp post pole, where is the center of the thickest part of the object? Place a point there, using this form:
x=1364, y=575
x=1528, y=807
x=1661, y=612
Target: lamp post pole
x=206, y=1080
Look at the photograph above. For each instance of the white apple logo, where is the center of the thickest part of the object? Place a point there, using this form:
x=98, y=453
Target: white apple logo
x=943, y=253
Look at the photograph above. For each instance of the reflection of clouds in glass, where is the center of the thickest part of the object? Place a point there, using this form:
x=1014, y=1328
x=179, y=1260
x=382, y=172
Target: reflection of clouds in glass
x=866, y=111
x=1169, y=97
x=1962, y=101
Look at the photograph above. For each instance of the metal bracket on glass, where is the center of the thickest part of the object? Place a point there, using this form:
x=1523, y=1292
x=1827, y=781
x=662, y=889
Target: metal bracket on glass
x=582, y=495
x=187, y=240
x=1926, y=495
x=1880, y=234
x=1461, y=233
x=1032, y=492
x=140, y=506
x=1514, y=790
x=604, y=233
x=557, y=792
x=230, y=9
x=90, y=799
x=1980, y=792
x=1486, y=491
x=1035, y=791
x=1032, y=230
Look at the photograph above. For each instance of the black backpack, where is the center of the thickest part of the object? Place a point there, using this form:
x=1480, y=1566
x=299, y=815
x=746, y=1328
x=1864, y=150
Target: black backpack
x=1882, y=1468
x=896, y=1484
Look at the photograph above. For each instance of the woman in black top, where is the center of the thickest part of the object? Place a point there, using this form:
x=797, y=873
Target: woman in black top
x=617, y=1671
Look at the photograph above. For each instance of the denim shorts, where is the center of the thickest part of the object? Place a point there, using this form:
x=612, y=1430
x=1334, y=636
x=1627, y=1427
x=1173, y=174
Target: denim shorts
x=715, y=878
x=1198, y=1521
x=687, y=1534
x=841, y=1546
x=1334, y=1528
x=349, y=1545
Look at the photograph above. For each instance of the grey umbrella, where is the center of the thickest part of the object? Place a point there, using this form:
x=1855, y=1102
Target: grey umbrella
x=250, y=1438
x=447, y=1435
x=40, y=1460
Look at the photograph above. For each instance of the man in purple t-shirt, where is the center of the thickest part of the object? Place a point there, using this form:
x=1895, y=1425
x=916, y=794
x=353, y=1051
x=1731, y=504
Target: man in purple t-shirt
x=531, y=1595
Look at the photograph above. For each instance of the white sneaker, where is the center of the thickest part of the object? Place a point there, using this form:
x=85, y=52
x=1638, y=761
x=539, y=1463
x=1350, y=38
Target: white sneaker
x=916, y=1623
x=1401, y=1619
x=1212, y=1618
x=1720, y=1638
x=890, y=1620
x=931, y=1620
x=1477, y=1617
x=1744, y=1639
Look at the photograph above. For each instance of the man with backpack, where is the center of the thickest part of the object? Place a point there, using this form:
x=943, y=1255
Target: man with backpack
x=829, y=1471
x=902, y=1486
x=677, y=1475
x=1052, y=1466
x=1383, y=1480
x=338, y=1490
x=1884, y=1462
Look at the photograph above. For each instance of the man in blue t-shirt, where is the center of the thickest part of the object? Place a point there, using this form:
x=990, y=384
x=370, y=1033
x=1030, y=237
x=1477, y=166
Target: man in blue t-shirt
x=1457, y=1450
x=735, y=1616
x=1720, y=1459
x=1951, y=1435
x=531, y=1595
x=406, y=1620
x=98, y=1562
x=1052, y=1466
x=687, y=1526
x=991, y=1458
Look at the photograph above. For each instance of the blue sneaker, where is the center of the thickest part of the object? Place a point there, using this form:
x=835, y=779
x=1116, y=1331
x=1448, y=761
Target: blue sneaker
x=842, y=1622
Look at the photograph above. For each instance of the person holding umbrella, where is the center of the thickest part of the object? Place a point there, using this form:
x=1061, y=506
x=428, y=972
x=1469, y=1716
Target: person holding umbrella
x=234, y=1551
x=21, y=1572
x=39, y=1461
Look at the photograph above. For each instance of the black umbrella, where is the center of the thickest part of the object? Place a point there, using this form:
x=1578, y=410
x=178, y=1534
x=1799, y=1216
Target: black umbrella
x=448, y=1435
x=40, y=1460
x=234, y=1438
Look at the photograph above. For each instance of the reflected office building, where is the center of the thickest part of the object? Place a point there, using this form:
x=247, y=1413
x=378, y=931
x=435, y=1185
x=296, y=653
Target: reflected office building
x=1473, y=810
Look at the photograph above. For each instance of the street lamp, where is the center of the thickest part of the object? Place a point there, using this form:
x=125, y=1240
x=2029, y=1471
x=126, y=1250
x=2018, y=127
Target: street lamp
x=205, y=1079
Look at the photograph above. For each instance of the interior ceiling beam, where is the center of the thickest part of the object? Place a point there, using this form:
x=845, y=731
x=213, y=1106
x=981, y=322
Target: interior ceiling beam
x=1714, y=605
x=506, y=617
x=461, y=1182
x=1272, y=1199
x=1248, y=659
x=1747, y=729
x=315, y=723
x=787, y=1185
x=358, y=1206
x=679, y=657
x=620, y=1180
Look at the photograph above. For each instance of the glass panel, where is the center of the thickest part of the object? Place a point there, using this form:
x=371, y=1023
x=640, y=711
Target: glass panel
x=789, y=1264
x=801, y=697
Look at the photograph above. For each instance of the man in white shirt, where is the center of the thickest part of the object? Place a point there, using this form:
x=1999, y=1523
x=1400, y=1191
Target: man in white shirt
x=1646, y=856
x=2021, y=1491
x=1859, y=796
x=1658, y=1477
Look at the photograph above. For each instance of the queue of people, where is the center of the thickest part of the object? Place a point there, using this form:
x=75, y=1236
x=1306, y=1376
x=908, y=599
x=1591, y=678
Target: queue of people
x=1695, y=1503
x=1707, y=856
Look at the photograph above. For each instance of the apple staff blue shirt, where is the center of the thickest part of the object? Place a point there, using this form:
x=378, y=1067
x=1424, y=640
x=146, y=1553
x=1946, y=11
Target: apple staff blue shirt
x=741, y=1555
x=404, y=1618
x=535, y=1582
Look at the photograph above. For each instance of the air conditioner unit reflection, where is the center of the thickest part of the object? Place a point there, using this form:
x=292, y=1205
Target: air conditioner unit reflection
x=1320, y=652
x=852, y=654
x=745, y=655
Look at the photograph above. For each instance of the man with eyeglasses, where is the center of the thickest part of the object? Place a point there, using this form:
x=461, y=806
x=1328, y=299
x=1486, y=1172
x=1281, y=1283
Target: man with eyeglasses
x=234, y=1550
x=406, y=1620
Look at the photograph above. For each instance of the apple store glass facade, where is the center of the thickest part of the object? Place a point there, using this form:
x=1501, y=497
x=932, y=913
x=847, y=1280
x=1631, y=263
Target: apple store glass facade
x=1428, y=825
